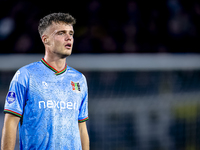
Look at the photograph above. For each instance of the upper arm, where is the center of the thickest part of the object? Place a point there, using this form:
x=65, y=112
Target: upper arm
x=11, y=120
x=84, y=136
x=82, y=126
x=9, y=131
x=83, y=129
x=10, y=126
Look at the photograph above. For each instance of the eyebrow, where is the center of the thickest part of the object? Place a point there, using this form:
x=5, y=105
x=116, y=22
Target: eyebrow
x=70, y=31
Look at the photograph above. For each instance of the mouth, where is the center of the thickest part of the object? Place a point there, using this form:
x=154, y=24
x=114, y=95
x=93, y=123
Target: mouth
x=68, y=45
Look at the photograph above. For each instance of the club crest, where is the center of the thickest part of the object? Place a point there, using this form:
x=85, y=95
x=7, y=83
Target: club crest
x=75, y=86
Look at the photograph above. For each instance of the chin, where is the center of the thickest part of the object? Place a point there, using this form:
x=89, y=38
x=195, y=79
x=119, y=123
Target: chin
x=65, y=55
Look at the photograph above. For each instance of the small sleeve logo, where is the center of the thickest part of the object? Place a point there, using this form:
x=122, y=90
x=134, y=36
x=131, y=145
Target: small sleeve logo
x=11, y=97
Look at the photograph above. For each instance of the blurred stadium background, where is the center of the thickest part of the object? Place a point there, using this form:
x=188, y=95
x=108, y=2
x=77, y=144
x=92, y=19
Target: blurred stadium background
x=141, y=60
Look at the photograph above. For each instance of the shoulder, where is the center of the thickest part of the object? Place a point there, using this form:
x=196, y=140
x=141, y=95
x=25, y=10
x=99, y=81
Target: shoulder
x=23, y=73
x=31, y=66
x=75, y=72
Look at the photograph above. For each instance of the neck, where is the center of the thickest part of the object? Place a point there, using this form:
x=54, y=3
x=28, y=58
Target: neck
x=57, y=63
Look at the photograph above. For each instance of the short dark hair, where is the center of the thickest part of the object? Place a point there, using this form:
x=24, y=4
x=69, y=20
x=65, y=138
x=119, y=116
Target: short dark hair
x=46, y=21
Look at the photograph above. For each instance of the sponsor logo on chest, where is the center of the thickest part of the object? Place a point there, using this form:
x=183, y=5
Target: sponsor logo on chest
x=61, y=105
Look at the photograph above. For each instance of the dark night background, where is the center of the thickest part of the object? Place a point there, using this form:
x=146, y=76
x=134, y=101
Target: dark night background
x=128, y=26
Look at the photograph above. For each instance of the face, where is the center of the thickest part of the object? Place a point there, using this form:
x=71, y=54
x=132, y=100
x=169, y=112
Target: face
x=58, y=39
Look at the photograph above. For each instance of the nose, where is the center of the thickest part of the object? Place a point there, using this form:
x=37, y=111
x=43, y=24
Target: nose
x=68, y=37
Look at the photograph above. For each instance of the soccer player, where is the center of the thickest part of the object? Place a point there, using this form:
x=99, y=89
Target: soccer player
x=48, y=100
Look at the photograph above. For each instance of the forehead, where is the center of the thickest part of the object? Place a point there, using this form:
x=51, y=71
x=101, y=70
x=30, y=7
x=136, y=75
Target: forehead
x=60, y=26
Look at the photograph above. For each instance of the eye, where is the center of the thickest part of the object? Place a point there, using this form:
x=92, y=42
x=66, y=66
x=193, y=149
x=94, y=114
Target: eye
x=71, y=33
x=61, y=33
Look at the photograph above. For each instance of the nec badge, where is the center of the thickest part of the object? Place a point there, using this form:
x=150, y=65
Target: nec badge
x=76, y=87
x=11, y=97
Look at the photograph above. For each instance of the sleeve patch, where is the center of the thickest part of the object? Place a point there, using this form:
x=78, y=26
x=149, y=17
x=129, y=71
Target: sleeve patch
x=11, y=97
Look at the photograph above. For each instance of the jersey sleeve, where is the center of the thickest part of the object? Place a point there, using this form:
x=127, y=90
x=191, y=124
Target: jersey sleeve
x=16, y=97
x=83, y=110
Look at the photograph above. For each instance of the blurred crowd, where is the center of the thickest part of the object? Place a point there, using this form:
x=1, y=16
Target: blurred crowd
x=128, y=26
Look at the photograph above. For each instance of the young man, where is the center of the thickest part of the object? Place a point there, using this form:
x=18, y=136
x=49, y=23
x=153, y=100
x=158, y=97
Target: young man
x=48, y=100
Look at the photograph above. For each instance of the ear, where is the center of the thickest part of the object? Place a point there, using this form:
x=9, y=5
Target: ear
x=45, y=39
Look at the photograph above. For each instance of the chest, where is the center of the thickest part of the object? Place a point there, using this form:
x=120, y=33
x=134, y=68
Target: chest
x=55, y=93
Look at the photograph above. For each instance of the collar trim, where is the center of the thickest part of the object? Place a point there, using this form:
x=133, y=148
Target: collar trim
x=53, y=69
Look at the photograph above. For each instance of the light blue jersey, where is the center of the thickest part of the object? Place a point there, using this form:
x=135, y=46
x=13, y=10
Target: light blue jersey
x=50, y=104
